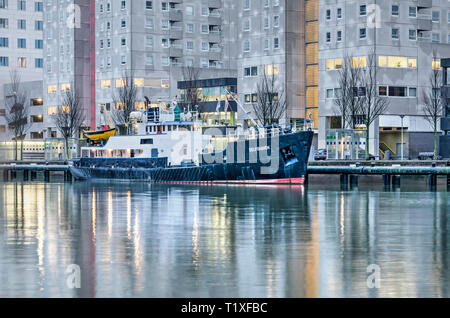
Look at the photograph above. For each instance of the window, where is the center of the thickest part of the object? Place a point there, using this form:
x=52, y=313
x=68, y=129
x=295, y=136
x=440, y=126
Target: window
x=189, y=45
x=189, y=28
x=339, y=36
x=4, y=61
x=397, y=91
x=38, y=7
x=21, y=43
x=328, y=14
x=51, y=89
x=246, y=46
x=149, y=60
x=333, y=64
x=436, y=38
x=276, y=21
x=382, y=91
x=436, y=64
x=21, y=5
x=251, y=71
x=4, y=42
x=272, y=69
x=395, y=34
x=38, y=25
x=105, y=84
x=246, y=4
x=21, y=62
x=412, y=35
x=362, y=33
x=149, y=5
x=21, y=24
x=435, y=16
x=276, y=43
x=413, y=12
x=412, y=92
x=3, y=23
x=395, y=11
x=328, y=38
x=339, y=13
x=38, y=44
x=330, y=93
x=363, y=10
x=360, y=61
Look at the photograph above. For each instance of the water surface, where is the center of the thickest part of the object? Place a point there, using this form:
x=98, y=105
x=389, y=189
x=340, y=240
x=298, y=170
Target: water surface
x=142, y=240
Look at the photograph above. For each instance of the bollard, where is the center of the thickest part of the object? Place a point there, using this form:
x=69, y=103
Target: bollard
x=25, y=175
x=372, y=164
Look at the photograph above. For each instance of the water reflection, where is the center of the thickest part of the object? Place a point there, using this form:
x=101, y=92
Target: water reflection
x=141, y=240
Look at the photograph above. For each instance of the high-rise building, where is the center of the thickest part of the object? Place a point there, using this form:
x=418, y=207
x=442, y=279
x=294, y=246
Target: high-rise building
x=401, y=36
x=69, y=59
x=153, y=41
x=271, y=41
x=21, y=51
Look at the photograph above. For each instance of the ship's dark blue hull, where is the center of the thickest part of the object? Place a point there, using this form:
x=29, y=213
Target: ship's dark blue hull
x=281, y=159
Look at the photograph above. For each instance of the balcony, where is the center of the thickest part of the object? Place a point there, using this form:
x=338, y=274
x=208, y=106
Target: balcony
x=214, y=4
x=175, y=15
x=214, y=20
x=176, y=51
x=424, y=22
x=214, y=37
x=424, y=4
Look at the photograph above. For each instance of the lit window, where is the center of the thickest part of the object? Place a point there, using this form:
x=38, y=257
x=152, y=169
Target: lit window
x=52, y=88
x=120, y=82
x=139, y=82
x=65, y=87
x=436, y=64
x=105, y=84
x=272, y=69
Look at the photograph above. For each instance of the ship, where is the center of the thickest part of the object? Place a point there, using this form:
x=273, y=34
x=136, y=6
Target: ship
x=170, y=147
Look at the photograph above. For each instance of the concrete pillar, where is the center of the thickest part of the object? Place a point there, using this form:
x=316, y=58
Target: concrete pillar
x=374, y=138
x=387, y=179
x=33, y=175
x=396, y=181
x=46, y=176
x=5, y=175
x=323, y=124
x=25, y=175
x=13, y=175
x=344, y=179
x=432, y=180
x=354, y=180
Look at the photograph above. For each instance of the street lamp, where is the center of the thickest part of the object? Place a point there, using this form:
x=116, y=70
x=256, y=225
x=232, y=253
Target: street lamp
x=402, y=117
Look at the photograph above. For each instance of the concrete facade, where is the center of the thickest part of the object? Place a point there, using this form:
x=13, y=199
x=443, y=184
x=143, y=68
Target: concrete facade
x=271, y=38
x=21, y=50
x=153, y=41
x=404, y=34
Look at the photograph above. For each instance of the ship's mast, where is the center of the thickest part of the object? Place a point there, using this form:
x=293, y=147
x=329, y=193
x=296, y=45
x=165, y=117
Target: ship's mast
x=248, y=113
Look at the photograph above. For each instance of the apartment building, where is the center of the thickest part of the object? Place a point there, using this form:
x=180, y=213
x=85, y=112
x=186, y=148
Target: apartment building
x=153, y=41
x=68, y=49
x=271, y=41
x=21, y=50
x=402, y=36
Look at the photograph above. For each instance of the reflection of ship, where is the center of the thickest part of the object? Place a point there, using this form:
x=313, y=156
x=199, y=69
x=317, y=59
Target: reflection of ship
x=175, y=150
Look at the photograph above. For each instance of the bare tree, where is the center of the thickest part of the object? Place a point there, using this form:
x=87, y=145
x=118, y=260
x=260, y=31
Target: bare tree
x=271, y=105
x=17, y=111
x=125, y=103
x=432, y=104
x=372, y=104
x=192, y=75
x=69, y=117
x=347, y=101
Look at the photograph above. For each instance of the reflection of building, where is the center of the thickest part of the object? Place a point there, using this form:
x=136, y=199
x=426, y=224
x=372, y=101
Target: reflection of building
x=402, y=36
x=209, y=93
